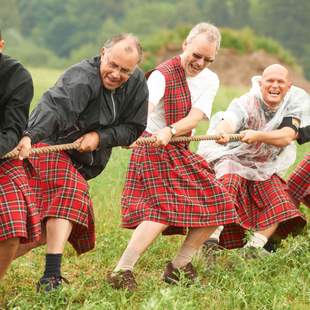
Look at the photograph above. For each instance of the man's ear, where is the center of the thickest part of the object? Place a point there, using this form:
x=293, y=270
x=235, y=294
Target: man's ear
x=2, y=44
x=184, y=45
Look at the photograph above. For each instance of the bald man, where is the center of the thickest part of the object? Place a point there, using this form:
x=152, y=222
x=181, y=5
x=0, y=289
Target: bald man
x=269, y=117
x=101, y=103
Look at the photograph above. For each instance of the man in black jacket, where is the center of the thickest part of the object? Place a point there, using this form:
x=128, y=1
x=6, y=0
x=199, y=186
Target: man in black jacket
x=19, y=220
x=101, y=103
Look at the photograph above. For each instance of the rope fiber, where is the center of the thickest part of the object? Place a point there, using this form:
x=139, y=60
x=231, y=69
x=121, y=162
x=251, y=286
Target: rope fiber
x=140, y=141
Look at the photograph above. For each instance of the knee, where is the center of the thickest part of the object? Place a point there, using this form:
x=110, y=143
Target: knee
x=10, y=244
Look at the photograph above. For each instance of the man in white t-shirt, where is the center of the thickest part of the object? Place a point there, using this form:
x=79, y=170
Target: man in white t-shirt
x=203, y=88
x=168, y=188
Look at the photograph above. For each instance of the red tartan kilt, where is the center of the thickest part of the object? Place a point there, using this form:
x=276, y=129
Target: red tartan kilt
x=176, y=187
x=299, y=182
x=260, y=205
x=19, y=217
x=61, y=192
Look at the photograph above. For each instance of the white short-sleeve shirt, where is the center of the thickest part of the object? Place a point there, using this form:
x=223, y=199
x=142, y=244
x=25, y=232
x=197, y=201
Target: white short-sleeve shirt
x=203, y=88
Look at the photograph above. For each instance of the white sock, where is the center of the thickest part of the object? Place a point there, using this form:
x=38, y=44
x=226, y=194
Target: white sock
x=128, y=260
x=184, y=256
x=216, y=234
x=257, y=241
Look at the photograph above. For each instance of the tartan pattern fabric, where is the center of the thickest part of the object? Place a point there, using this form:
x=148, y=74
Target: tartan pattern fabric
x=175, y=187
x=177, y=99
x=260, y=205
x=299, y=181
x=61, y=192
x=19, y=217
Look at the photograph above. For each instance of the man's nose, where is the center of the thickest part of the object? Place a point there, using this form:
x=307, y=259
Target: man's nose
x=116, y=73
x=201, y=62
x=275, y=84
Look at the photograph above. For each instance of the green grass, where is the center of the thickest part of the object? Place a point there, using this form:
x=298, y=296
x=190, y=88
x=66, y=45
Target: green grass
x=280, y=281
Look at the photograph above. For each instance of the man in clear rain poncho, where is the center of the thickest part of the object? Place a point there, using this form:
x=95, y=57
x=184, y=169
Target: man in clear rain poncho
x=269, y=117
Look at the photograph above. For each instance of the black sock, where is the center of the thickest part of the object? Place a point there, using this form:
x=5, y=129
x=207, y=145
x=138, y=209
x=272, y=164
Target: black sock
x=52, y=265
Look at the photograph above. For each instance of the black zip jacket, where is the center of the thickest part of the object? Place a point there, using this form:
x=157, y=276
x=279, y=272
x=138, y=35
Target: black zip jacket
x=16, y=92
x=79, y=103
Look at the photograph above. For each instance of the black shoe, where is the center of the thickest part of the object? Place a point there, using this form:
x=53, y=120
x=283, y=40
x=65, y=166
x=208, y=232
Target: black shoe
x=50, y=283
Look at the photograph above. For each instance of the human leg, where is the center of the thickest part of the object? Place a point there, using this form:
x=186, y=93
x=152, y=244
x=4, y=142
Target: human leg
x=8, y=249
x=141, y=239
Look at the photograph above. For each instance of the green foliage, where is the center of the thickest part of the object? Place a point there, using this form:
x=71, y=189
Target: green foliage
x=243, y=41
x=29, y=53
x=65, y=26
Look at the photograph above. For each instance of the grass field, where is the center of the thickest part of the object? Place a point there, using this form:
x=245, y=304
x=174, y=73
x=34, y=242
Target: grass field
x=280, y=281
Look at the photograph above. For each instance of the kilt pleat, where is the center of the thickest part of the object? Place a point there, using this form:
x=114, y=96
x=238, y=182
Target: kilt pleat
x=260, y=205
x=176, y=187
x=19, y=217
x=61, y=192
x=299, y=181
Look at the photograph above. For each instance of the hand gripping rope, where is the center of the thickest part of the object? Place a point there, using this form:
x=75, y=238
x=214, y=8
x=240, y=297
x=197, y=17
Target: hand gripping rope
x=140, y=141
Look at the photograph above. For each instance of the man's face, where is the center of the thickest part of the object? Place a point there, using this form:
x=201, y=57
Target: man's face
x=117, y=65
x=197, y=55
x=274, y=85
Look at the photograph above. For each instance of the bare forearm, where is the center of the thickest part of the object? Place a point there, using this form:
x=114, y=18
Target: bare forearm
x=189, y=122
x=281, y=137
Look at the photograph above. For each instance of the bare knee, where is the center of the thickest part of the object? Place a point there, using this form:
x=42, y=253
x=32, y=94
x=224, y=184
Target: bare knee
x=9, y=244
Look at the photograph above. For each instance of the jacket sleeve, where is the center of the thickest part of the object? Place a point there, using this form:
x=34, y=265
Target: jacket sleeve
x=132, y=123
x=304, y=135
x=61, y=105
x=15, y=114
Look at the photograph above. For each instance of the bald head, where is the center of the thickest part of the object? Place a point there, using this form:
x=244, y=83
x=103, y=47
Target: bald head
x=274, y=85
x=128, y=42
x=276, y=69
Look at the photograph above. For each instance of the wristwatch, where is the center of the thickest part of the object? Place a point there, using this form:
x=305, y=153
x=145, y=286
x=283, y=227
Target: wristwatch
x=26, y=133
x=173, y=130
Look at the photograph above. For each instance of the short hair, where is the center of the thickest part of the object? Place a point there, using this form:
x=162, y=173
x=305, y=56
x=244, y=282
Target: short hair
x=212, y=33
x=124, y=36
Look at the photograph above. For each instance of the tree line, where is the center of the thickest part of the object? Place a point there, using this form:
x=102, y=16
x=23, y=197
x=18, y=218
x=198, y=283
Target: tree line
x=71, y=28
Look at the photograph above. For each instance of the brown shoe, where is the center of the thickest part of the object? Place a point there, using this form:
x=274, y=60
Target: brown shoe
x=211, y=245
x=172, y=275
x=123, y=279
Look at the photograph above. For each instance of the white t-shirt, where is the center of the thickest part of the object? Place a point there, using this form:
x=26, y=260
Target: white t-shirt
x=203, y=88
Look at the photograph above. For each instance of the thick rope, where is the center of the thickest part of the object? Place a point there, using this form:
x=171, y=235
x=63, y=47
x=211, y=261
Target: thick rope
x=140, y=141
x=232, y=137
x=45, y=149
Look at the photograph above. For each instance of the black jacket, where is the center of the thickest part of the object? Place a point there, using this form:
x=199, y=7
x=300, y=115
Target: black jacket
x=79, y=103
x=16, y=92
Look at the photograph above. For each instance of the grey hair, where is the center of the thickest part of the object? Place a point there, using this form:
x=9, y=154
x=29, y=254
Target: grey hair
x=212, y=33
x=124, y=36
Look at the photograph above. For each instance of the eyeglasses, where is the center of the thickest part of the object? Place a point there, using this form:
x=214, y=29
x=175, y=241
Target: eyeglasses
x=206, y=60
x=125, y=73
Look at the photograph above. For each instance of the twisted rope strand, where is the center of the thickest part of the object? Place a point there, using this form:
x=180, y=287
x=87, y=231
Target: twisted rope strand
x=140, y=141
x=45, y=149
x=232, y=137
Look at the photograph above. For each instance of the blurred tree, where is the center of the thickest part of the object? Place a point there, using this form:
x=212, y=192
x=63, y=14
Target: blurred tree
x=9, y=14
